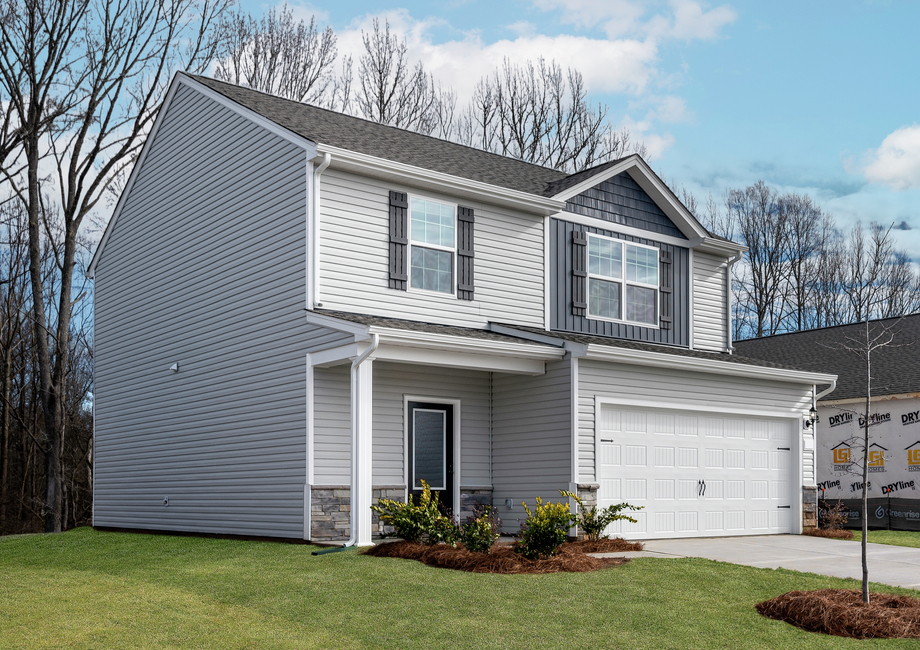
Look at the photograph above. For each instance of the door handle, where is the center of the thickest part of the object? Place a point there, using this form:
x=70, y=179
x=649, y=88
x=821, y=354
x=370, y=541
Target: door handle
x=701, y=488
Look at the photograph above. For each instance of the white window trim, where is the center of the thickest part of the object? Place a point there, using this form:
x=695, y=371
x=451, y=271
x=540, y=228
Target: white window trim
x=452, y=251
x=457, y=433
x=623, y=282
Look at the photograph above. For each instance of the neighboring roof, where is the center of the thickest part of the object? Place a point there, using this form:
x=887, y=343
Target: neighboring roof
x=587, y=339
x=323, y=126
x=417, y=326
x=895, y=369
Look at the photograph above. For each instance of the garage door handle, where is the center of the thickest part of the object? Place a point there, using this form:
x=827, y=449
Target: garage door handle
x=606, y=439
x=783, y=506
x=701, y=488
x=783, y=448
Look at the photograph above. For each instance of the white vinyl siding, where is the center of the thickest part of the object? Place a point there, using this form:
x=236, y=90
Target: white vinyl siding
x=205, y=268
x=355, y=259
x=392, y=382
x=709, y=302
x=531, y=439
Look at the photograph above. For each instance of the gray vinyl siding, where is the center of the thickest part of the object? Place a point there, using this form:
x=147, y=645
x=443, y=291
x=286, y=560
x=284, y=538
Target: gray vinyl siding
x=561, y=316
x=672, y=387
x=709, y=302
x=531, y=439
x=355, y=259
x=205, y=267
x=332, y=425
x=620, y=200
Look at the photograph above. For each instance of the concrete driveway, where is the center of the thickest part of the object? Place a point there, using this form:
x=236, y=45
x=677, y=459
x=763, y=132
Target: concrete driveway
x=890, y=565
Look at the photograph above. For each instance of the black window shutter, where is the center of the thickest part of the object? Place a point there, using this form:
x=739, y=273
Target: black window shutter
x=465, y=222
x=579, y=273
x=665, y=286
x=399, y=230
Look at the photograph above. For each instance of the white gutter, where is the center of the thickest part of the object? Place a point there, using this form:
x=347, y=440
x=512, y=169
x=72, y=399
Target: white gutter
x=404, y=174
x=826, y=392
x=728, y=303
x=697, y=364
x=375, y=341
x=317, y=172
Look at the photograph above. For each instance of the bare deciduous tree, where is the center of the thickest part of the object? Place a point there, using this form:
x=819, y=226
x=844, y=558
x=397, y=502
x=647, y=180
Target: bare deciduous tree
x=537, y=113
x=279, y=55
x=392, y=91
x=84, y=79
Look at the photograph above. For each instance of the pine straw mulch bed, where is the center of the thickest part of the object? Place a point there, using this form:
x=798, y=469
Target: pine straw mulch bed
x=830, y=533
x=841, y=612
x=503, y=558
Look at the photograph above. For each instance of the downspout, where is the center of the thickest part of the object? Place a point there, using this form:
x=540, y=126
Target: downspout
x=728, y=299
x=823, y=393
x=317, y=172
x=353, y=514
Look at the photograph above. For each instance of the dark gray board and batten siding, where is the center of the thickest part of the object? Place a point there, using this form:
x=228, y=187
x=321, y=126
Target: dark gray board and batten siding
x=205, y=267
x=677, y=303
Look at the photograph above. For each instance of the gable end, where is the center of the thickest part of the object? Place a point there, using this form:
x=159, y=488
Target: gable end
x=621, y=200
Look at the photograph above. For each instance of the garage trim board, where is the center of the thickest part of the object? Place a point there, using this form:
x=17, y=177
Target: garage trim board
x=699, y=471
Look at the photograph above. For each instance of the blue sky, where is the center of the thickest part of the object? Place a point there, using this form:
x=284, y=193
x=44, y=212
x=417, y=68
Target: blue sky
x=819, y=97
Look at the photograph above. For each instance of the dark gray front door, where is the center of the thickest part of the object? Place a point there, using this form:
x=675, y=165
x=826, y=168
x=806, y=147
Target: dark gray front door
x=431, y=445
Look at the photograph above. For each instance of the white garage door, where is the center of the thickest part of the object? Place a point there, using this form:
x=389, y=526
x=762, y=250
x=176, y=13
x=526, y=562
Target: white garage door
x=697, y=474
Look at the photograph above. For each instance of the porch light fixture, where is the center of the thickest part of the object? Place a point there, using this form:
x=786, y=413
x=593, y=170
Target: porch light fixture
x=812, y=418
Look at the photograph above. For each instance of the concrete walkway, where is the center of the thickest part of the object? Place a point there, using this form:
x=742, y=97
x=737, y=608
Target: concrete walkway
x=890, y=565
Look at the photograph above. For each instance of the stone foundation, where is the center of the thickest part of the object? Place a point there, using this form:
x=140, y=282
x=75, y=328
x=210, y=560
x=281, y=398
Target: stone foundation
x=470, y=499
x=809, y=506
x=587, y=492
x=330, y=511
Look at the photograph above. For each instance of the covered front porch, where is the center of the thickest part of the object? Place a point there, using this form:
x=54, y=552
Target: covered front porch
x=484, y=418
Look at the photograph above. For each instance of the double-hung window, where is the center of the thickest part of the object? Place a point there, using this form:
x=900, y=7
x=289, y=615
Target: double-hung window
x=433, y=245
x=622, y=281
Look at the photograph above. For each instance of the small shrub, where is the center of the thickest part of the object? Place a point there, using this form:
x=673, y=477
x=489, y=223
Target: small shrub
x=422, y=522
x=832, y=516
x=479, y=532
x=545, y=529
x=593, y=522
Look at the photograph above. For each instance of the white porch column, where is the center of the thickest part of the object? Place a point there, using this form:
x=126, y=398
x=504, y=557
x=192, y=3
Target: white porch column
x=362, y=421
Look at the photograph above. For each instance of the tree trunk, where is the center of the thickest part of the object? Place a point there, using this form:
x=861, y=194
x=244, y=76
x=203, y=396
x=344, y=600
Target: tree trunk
x=865, y=468
x=5, y=443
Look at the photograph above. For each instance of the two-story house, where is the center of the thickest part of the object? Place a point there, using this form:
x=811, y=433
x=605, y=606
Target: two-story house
x=299, y=311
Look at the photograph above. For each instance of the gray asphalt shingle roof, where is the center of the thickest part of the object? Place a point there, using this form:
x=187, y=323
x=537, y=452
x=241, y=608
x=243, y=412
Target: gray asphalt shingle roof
x=895, y=369
x=323, y=126
x=587, y=339
x=418, y=326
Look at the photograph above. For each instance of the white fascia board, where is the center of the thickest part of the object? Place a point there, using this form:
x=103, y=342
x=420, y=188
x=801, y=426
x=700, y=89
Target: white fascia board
x=360, y=163
x=346, y=326
x=454, y=359
x=663, y=197
x=695, y=364
x=465, y=345
x=719, y=246
x=183, y=79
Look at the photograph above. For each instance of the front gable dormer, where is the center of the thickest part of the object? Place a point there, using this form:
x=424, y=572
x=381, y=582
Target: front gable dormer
x=621, y=259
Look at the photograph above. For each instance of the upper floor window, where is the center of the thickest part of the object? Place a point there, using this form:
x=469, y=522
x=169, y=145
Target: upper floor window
x=622, y=281
x=433, y=244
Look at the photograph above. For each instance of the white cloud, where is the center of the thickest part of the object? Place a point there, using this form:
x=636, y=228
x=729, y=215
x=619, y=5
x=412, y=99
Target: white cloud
x=896, y=162
x=682, y=20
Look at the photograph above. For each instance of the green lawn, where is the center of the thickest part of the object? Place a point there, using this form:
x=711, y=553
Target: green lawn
x=87, y=589
x=892, y=537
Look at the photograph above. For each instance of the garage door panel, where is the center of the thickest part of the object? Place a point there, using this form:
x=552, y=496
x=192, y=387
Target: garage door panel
x=665, y=489
x=635, y=455
x=695, y=474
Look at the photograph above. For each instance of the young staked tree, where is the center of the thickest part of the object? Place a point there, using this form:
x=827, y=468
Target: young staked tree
x=83, y=80
x=872, y=336
x=279, y=55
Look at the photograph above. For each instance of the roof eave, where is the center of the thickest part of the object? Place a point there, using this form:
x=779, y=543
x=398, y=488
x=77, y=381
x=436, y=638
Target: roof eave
x=398, y=172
